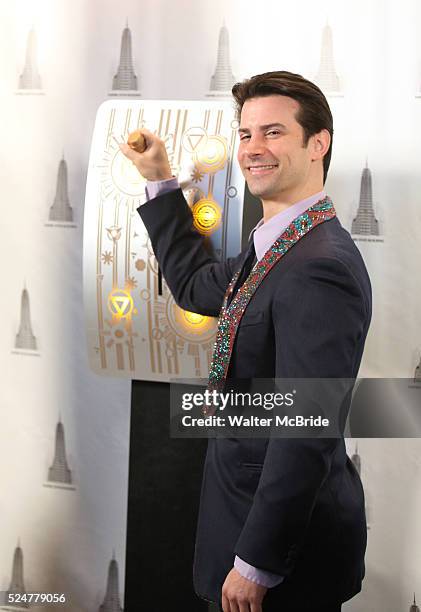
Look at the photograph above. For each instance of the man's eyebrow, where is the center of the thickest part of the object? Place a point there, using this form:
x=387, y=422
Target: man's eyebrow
x=263, y=127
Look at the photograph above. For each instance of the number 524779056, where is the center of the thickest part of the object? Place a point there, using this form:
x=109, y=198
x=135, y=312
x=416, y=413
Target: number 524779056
x=34, y=598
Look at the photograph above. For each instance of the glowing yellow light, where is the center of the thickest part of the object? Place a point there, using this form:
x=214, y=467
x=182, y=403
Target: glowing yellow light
x=206, y=216
x=190, y=326
x=120, y=303
x=193, y=318
x=192, y=322
x=213, y=156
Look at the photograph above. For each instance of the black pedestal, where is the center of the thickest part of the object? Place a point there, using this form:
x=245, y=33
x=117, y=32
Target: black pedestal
x=164, y=488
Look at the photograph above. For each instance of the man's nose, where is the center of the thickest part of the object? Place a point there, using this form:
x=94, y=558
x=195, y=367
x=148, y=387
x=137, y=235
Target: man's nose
x=255, y=145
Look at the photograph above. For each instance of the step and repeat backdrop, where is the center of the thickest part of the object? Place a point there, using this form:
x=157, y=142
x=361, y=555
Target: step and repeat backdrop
x=76, y=77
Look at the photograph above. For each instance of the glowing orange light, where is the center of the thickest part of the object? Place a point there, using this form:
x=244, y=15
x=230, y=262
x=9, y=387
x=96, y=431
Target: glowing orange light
x=206, y=216
x=192, y=323
x=190, y=326
x=120, y=303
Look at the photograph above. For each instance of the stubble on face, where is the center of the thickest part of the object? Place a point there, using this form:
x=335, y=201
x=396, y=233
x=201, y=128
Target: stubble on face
x=266, y=184
x=272, y=161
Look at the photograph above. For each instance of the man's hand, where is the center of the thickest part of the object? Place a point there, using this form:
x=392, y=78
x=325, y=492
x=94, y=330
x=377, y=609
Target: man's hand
x=153, y=163
x=241, y=595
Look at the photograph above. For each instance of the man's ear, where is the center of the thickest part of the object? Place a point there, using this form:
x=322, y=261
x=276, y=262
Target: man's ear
x=321, y=144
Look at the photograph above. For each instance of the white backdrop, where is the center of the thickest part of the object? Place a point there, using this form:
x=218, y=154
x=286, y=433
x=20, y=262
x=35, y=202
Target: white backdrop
x=67, y=534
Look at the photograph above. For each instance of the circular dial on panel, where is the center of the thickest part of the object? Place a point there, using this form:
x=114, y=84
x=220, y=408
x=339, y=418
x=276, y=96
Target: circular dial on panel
x=190, y=326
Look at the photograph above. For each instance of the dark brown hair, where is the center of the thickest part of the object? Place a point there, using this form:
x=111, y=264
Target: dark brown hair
x=314, y=114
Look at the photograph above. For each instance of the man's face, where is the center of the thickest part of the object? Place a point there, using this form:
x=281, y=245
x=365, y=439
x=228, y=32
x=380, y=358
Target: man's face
x=271, y=153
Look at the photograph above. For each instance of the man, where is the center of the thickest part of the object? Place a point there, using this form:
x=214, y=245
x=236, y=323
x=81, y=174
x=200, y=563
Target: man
x=281, y=524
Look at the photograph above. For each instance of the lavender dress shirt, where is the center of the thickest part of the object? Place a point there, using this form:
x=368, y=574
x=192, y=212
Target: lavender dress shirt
x=264, y=235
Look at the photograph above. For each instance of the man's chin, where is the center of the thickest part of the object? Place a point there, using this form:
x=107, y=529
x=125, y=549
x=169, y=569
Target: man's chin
x=259, y=191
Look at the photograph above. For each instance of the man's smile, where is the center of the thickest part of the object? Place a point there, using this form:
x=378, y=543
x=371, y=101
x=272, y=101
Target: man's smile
x=261, y=168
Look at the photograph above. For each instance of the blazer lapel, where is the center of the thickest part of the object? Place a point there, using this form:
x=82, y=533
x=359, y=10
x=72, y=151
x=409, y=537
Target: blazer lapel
x=231, y=312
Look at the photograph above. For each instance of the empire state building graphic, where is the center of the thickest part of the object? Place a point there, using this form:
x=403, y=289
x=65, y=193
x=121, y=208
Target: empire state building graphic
x=30, y=80
x=125, y=80
x=25, y=341
x=414, y=607
x=223, y=78
x=111, y=601
x=417, y=374
x=59, y=474
x=61, y=213
x=356, y=460
x=365, y=226
x=17, y=586
x=326, y=78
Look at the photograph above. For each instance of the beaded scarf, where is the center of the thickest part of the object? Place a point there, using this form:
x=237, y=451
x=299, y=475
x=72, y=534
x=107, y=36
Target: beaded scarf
x=230, y=316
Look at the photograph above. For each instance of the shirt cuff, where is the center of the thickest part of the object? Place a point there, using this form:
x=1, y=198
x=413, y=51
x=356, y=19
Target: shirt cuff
x=262, y=577
x=156, y=188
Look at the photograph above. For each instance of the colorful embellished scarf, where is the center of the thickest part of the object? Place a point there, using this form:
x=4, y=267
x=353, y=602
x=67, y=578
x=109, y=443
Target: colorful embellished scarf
x=230, y=316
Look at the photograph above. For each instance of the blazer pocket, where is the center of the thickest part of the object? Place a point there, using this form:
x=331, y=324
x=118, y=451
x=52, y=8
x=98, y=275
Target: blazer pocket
x=257, y=467
x=252, y=318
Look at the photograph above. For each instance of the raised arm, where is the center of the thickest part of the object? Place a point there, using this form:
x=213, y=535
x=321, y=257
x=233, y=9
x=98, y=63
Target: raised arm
x=196, y=279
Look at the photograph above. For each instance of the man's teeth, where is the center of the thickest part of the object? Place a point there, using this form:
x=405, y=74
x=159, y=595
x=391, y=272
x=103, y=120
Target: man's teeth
x=262, y=167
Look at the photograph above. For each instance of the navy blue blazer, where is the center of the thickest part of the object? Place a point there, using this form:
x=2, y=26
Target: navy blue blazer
x=294, y=507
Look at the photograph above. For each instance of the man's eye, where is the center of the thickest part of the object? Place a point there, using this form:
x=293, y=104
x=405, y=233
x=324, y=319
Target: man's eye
x=244, y=136
x=273, y=133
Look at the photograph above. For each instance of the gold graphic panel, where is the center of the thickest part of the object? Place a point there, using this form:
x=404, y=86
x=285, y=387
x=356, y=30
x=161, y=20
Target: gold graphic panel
x=134, y=328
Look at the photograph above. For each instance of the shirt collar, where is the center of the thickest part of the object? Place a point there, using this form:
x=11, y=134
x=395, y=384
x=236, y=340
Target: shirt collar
x=265, y=234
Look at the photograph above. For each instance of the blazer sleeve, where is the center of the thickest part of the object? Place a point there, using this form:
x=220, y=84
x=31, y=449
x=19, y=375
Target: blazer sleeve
x=320, y=320
x=196, y=279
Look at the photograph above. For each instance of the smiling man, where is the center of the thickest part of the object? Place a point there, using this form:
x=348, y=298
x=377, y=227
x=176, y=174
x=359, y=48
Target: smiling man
x=281, y=526
x=276, y=162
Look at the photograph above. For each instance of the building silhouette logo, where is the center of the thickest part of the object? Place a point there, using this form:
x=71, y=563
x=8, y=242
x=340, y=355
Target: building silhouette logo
x=17, y=586
x=25, y=342
x=417, y=373
x=365, y=226
x=59, y=474
x=356, y=460
x=326, y=77
x=111, y=601
x=414, y=607
x=125, y=80
x=61, y=213
x=223, y=79
x=30, y=80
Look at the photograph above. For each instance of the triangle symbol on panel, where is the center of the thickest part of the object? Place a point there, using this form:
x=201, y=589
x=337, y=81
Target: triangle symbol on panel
x=120, y=304
x=195, y=140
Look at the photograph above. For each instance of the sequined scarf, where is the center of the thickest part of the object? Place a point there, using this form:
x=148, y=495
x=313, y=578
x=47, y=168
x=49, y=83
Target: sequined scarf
x=230, y=316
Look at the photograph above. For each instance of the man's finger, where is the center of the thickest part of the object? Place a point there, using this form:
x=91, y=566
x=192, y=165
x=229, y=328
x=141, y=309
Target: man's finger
x=146, y=133
x=256, y=607
x=244, y=606
x=150, y=137
x=225, y=604
x=128, y=151
x=234, y=606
